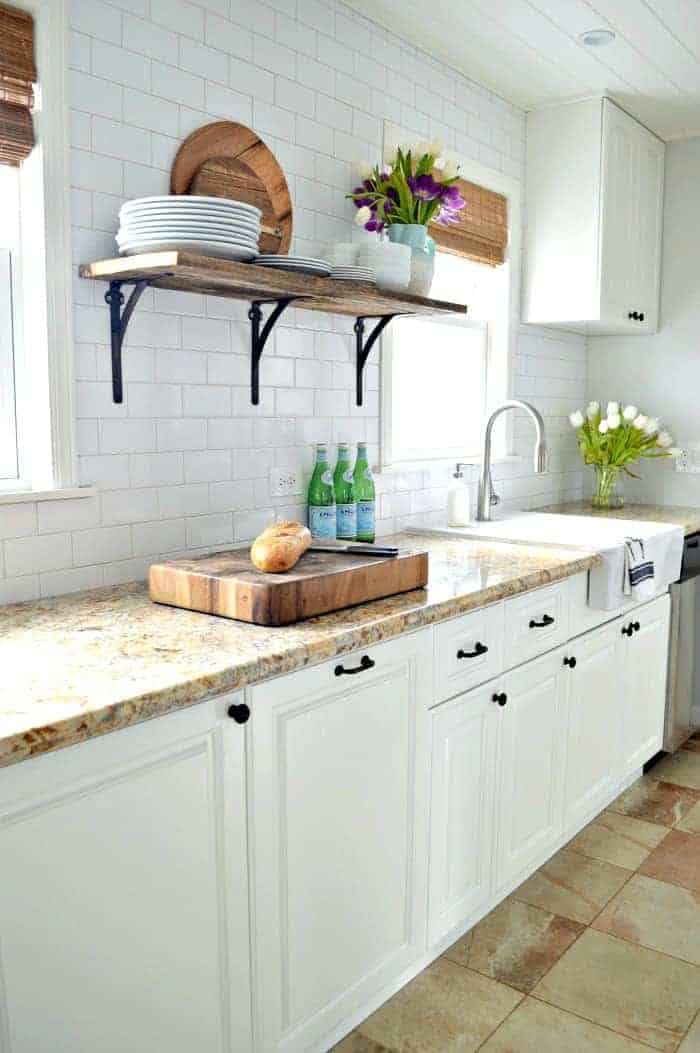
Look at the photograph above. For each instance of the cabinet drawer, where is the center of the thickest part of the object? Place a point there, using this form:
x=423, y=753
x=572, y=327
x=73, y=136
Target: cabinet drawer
x=536, y=622
x=468, y=651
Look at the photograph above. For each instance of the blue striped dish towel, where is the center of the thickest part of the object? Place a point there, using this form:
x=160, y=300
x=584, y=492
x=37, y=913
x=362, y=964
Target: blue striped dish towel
x=638, y=575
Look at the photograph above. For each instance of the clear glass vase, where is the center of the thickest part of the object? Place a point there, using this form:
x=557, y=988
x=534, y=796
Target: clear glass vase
x=606, y=492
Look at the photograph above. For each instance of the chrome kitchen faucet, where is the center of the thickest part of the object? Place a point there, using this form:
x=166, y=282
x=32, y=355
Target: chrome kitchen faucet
x=487, y=497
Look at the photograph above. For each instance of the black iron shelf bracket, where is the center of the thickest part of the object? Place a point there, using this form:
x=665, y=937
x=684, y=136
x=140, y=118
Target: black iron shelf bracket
x=363, y=348
x=258, y=339
x=119, y=323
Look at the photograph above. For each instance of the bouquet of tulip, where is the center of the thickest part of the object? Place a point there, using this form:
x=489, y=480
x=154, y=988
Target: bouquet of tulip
x=610, y=442
x=413, y=186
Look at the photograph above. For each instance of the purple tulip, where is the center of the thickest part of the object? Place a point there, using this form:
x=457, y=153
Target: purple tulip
x=424, y=187
x=451, y=198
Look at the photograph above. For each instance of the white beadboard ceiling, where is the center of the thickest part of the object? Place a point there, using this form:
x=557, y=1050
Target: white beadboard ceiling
x=528, y=50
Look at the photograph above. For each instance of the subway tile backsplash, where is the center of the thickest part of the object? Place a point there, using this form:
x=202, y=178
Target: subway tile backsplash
x=183, y=465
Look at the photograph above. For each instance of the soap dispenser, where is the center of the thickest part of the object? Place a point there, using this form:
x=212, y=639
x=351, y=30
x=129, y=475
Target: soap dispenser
x=459, y=500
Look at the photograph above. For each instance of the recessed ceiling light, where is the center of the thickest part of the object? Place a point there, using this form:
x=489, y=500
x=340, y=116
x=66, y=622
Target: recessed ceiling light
x=597, y=38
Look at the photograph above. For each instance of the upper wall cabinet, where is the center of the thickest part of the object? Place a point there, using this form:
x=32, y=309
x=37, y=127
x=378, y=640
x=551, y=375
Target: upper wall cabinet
x=594, y=211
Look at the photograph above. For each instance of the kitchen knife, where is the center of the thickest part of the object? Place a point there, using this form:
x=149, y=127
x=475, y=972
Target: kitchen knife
x=353, y=548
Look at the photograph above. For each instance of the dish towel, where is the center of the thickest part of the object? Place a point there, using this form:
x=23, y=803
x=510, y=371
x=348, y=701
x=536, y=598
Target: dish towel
x=638, y=578
x=609, y=585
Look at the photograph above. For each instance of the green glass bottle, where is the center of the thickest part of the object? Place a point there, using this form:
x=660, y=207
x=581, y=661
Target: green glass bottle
x=345, y=500
x=321, y=498
x=365, y=495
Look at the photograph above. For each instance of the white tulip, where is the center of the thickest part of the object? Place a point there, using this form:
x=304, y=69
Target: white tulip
x=593, y=409
x=389, y=156
x=613, y=408
x=640, y=421
x=363, y=215
x=576, y=419
x=664, y=440
x=629, y=413
x=675, y=451
x=421, y=147
x=364, y=170
x=603, y=427
x=652, y=426
x=450, y=169
x=614, y=421
x=436, y=147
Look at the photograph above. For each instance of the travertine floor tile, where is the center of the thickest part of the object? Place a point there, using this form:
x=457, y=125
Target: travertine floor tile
x=680, y=769
x=655, y=801
x=655, y=914
x=691, y=820
x=619, y=839
x=446, y=1009
x=632, y=990
x=572, y=885
x=535, y=1027
x=516, y=943
x=677, y=859
x=693, y=743
x=691, y=1042
x=358, y=1043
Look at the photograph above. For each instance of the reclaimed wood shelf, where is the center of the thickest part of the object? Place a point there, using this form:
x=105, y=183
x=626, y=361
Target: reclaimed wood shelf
x=188, y=272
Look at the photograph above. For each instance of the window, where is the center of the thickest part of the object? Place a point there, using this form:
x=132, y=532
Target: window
x=36, y=348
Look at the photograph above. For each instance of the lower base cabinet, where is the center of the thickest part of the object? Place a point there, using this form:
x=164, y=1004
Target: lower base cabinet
x=644, y=664
x=123, y=892
x=338, y=817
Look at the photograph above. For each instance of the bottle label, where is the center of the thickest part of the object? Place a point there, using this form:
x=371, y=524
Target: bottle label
x=365, y=519
x=347, y=475
x=327, y=478
x=322, y=521
x=347, y=522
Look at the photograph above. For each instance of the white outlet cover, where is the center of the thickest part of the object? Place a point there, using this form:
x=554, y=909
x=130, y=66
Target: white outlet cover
x=285, y=482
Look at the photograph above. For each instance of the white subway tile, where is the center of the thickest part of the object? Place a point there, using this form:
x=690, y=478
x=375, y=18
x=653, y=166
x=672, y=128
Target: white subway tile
x=334, y=54
x=252, y=464
x=252, y=13
x=232, y=39
x=204, y=61
x=19, y=590
x=126, y=436
x=121, y=66
x=147, y=111
x=97, y=20
x=156, y=469
x=229, y=434
x=207, y=466
x=223, y=102
x=57, y=582
x=231, y=496
x=101, y=545
x=292, y=96
x=274, y=57
x=108, y=472
x=175, y=501
x=181, y=366
x=227, y=369
x=154, y=400
x=94, y=172
x=149, y=39
x=206, y=401
x=151, y=539
x=36, y=554
x=129, y=506
x=319, y=136
x=18, y=520
x=249, y=524
x=96, y=95
x=179, y=16
x=204, y=531
x=68, y=514
x=182, y=434
x=172, y=83
x=205, y=334
x=80, y=51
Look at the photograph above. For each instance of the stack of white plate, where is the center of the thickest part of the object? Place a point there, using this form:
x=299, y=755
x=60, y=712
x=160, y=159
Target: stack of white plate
x=300, y=264
x=342, y=254
x=390, y=261
x=353, y=274
x=212, y=226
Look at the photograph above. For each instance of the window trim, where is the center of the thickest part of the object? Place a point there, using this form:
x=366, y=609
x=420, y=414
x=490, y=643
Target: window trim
x=502, y=346
x=49, y=354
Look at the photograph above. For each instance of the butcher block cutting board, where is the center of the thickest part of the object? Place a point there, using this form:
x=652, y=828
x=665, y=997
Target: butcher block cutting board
x=229, y=585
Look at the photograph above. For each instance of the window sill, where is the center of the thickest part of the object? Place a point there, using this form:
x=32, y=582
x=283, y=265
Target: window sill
x=16, y=497
x=438, y=462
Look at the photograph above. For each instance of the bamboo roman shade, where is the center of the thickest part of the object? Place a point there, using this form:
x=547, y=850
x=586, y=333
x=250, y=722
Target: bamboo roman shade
x=482, y=231
x=17, y=77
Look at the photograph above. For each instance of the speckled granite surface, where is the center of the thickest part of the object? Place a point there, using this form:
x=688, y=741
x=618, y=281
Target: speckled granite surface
x=78, y=666
x=684, y=516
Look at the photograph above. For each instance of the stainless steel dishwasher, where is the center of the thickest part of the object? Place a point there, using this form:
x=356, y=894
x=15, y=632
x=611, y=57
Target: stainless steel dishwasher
x=684, y=652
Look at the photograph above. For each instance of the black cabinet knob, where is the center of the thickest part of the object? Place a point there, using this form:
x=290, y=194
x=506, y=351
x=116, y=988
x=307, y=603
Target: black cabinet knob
x=547, y=619
x=635, y=316
x=571, y=662
x=636, y=626
x=501, y=698
x=627, y=630
x=479, y=648
x=641, y=316
x=240, y=713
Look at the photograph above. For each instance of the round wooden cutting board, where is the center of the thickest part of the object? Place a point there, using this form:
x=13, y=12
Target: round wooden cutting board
x=225, y=159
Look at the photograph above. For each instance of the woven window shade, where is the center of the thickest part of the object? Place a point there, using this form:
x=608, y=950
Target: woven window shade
x=482, y=231
x=17, y=77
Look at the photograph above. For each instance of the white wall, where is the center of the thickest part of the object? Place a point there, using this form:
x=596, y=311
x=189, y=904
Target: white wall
x=661, y=373
x=183, y=464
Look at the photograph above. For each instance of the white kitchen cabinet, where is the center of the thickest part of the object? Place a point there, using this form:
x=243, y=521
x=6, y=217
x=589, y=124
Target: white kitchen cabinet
x=530, y=762
x=463, y=772
x=594, y=712
x=643, y=660
x=595, y=200
x=339, y=808
x=123, y=897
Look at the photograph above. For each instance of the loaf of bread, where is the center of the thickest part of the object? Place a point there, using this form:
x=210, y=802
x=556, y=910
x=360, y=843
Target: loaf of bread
x=280, y=547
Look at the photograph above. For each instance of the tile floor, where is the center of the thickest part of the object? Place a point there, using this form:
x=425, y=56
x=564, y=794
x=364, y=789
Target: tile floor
x=598, y=950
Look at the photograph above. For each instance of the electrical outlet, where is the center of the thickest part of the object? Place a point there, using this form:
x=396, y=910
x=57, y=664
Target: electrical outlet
x=682, y=462
x=284, y=482
x=689, y=460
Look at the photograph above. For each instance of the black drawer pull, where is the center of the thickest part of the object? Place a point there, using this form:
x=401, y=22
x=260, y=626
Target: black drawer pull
x=239, y=713
x=546, y=620
x=571, y=662
x=501, y=698
x=627, y=630
x=479, y=648
x=636, y=626
x=365, y=663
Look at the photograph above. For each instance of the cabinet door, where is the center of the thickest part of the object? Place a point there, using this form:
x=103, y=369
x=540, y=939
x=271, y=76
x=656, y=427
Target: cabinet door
x=530, y=761
x=594, y=703
x=339, y=823
x=632, y=203
x=123, y=903
x=461, y=810
x=644, y=661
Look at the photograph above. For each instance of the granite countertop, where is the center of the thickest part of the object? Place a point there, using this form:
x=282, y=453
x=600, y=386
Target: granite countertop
x=680, y=515
x=78, y=666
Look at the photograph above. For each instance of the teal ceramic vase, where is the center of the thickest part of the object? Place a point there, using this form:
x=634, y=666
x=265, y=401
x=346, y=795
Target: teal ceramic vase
x=422, y=246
